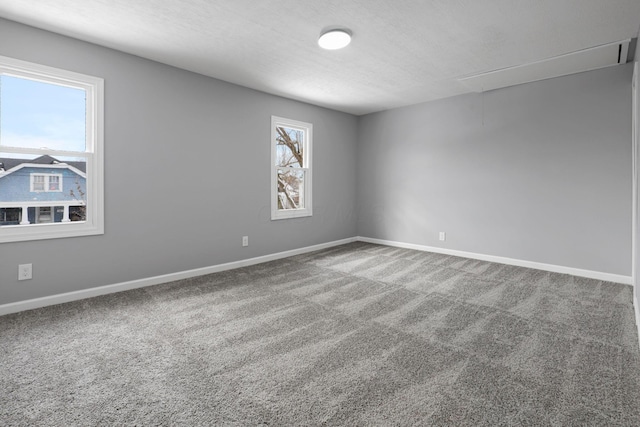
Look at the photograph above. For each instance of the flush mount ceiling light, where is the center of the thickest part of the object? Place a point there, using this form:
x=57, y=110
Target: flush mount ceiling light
x=334, y=39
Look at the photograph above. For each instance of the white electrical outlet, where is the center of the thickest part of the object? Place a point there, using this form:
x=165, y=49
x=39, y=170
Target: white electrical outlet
x=245, y=240
x=443, y=236
x=25, y=272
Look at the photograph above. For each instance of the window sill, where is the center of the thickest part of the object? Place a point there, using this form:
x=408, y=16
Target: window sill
x=290, y=213
x=23, y=233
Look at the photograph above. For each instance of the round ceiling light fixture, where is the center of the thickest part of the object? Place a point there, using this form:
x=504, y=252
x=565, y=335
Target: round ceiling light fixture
x=335, y=39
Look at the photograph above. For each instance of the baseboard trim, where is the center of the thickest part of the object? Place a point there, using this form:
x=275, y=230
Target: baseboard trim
x=31, y=304
x=18, y=306
x=636, y=305
x=509, y=261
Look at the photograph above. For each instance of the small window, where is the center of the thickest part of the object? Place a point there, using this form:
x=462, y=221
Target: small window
x=10, y=216
x=54, y=182
x=290, y=168
x=40, y=183
x=51, y=145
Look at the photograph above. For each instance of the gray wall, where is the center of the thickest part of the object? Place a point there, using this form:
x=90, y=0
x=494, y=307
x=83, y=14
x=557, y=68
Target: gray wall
x=186, y=173
x=636, y=112
x=538, y=172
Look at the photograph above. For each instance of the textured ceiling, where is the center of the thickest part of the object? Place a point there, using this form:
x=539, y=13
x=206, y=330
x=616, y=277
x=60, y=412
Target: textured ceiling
x=403, y=51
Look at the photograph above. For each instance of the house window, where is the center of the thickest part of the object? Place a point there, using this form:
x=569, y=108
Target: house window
x=290, y=168
x=40, y=183
x=10, y=216
x=37, y=183
x=54, y=182
x=43, y=214
x=51, y=146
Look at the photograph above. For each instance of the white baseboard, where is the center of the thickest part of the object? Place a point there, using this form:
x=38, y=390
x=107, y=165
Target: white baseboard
x=636, y=305
x=156, y=280
x=509, y=261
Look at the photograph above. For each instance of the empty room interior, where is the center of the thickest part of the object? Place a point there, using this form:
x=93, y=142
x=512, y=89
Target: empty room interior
x=319, y=213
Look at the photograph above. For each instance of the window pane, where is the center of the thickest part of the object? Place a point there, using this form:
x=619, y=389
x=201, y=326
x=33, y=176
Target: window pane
x=290, y=189
x=10, y=216
x=55, y=183
x=41, y=115
x=289, y=147
x=78, y=213
x=44, y=215
x=38, y=183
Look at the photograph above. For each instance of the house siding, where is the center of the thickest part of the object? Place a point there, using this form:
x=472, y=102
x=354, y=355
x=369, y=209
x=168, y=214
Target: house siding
x=16, y=187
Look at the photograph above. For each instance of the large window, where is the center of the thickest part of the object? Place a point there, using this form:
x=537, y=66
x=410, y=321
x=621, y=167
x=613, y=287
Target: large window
x=51, y=145
x=290, y=168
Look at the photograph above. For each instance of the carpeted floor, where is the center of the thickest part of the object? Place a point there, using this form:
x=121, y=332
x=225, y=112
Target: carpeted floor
x=358, y=334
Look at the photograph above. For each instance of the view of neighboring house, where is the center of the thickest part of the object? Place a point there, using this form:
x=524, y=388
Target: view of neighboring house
x=41, y=190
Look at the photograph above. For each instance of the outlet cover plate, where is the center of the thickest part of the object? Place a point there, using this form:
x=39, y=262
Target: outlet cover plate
x=25, y=272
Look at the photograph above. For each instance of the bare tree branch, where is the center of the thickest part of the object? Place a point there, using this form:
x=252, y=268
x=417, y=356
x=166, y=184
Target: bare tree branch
x=283, y=187
x=285, y=139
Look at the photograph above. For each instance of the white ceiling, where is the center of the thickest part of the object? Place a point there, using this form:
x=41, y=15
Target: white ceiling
x=403, y=51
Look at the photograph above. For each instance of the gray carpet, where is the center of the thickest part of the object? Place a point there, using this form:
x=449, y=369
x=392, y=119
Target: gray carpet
x=358, y=334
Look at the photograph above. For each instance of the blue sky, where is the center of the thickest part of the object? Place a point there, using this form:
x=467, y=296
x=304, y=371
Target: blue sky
x=41, y=115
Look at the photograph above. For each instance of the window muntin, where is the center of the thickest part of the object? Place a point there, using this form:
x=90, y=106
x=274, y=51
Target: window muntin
x=290, y=168
x=50, y=120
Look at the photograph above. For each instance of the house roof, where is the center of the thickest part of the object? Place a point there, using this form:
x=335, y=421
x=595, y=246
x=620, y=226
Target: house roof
x=10, y=163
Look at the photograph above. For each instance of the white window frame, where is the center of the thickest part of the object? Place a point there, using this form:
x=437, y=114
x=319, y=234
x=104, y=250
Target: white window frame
x=93, y=154
x=47, y=182
x=307, y=128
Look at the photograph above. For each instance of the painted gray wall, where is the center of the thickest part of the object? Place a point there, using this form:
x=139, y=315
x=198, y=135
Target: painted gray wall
x=186, y=173
x=538, y=172
x=636, y=112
